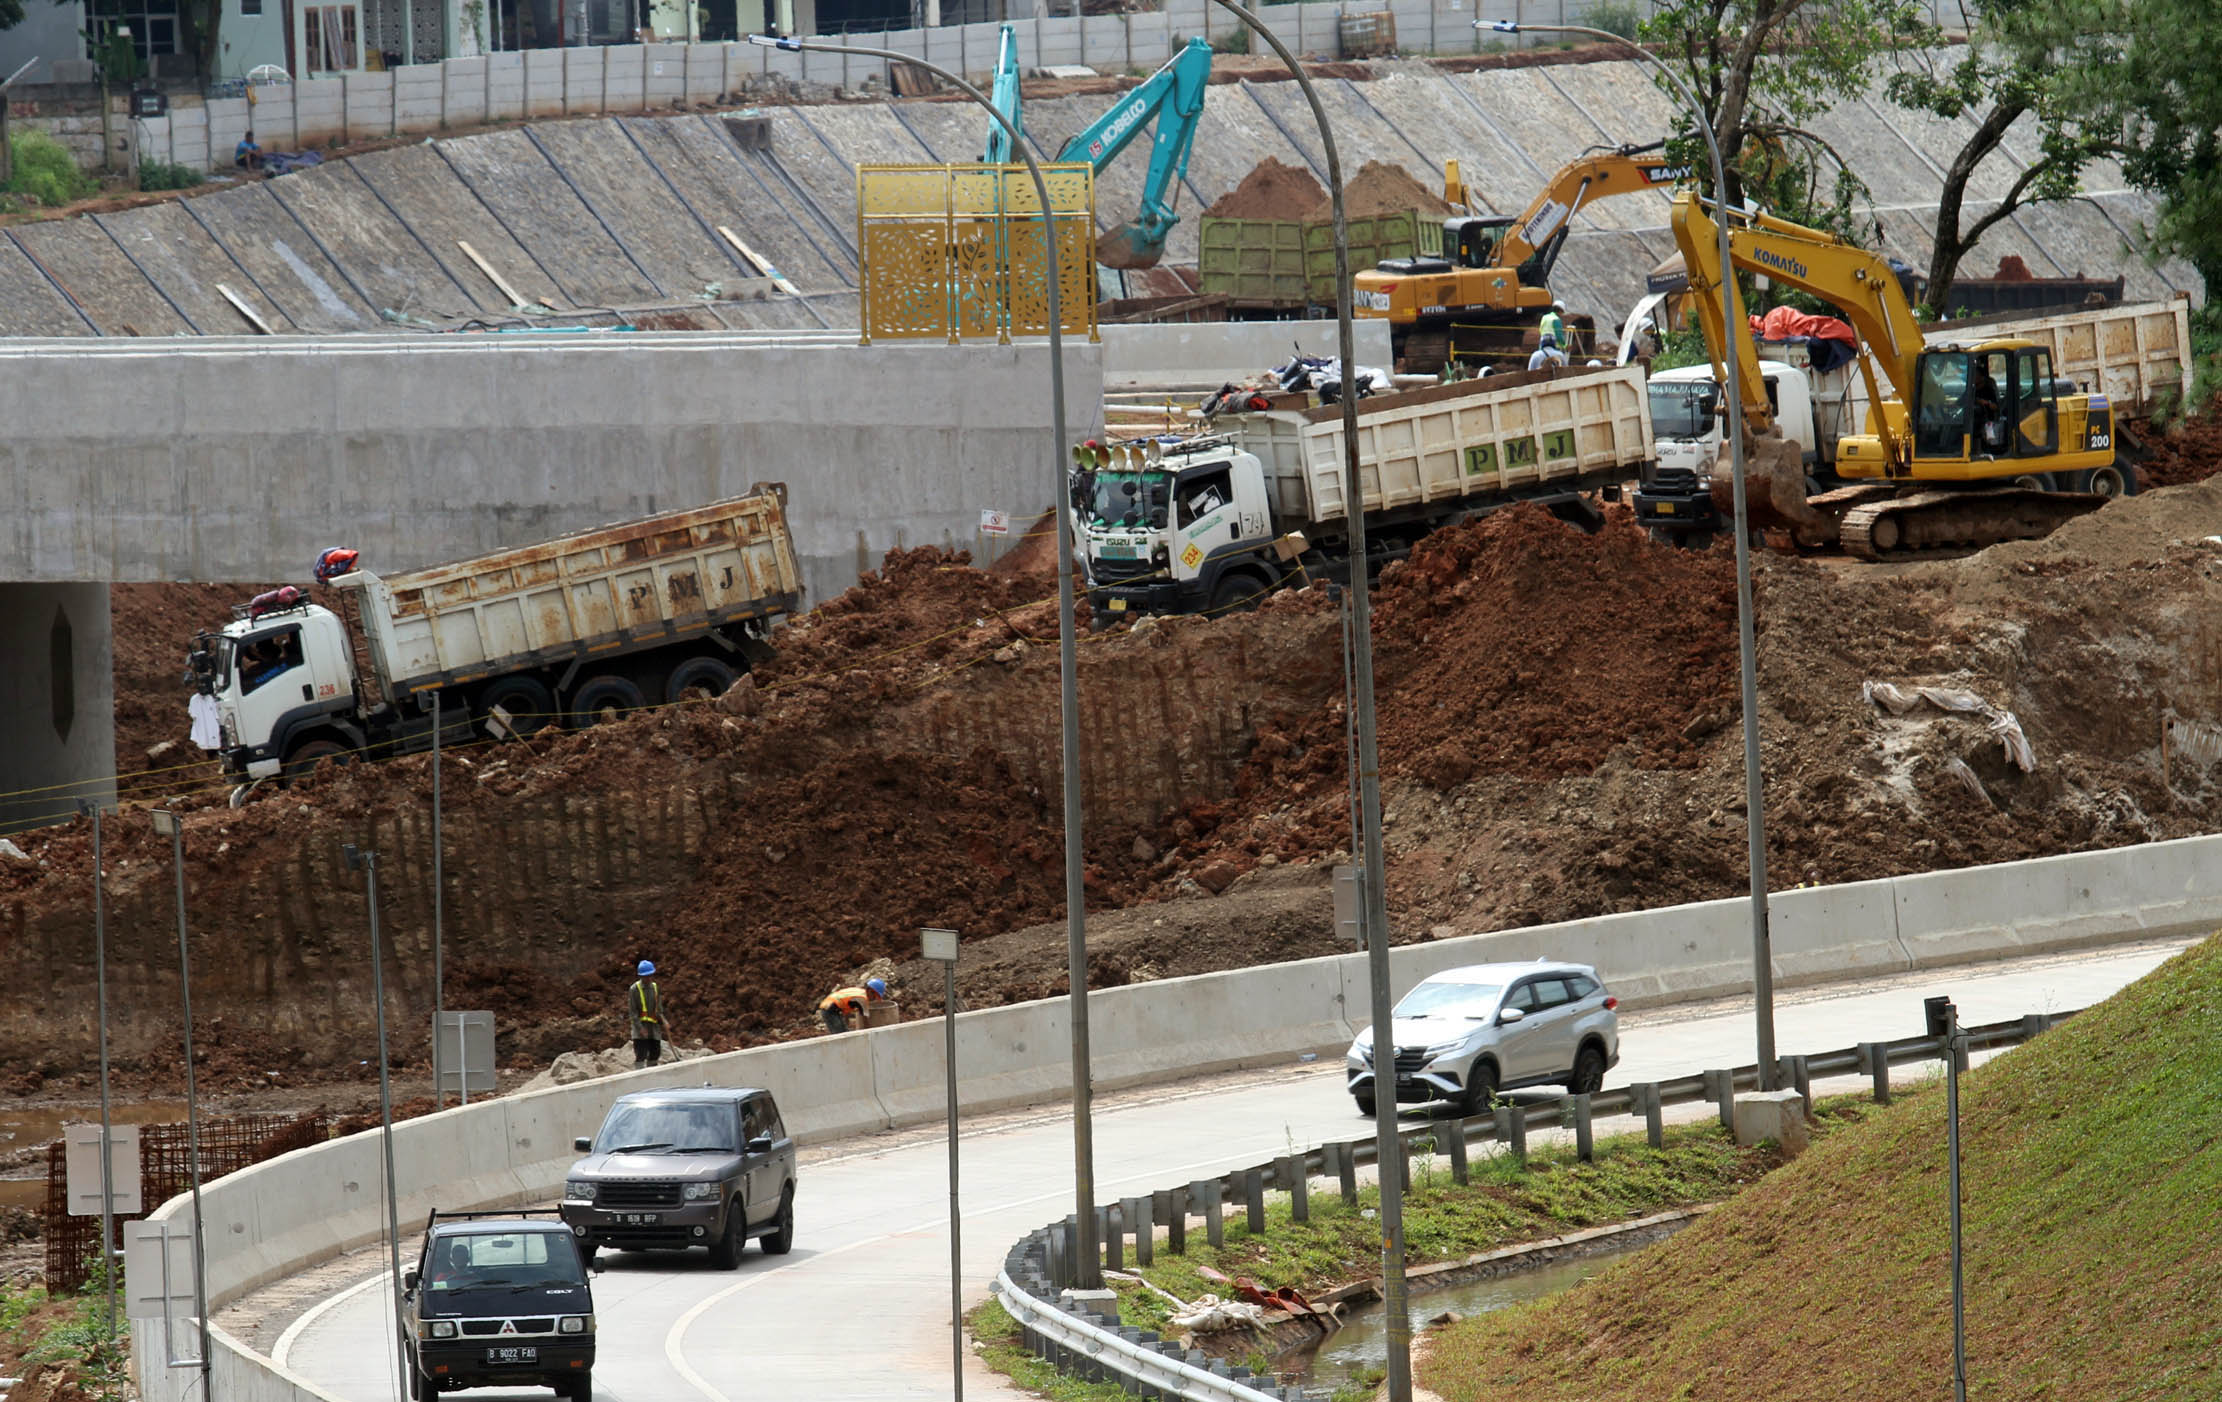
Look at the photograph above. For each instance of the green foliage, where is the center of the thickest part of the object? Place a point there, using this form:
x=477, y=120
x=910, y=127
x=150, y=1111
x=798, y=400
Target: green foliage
x=78, y=1338
x=1621, y=17
x=162, y=175
x=1680, y=347
x=1234, y=41
x=1763, y=69
x=1003, y=1350
x=1363, y=1386
x=45, y=171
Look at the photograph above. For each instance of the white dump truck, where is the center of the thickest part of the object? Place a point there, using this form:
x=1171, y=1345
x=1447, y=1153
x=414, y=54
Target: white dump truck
x=1209, y=522
x=571, y=630
x=2132, y=354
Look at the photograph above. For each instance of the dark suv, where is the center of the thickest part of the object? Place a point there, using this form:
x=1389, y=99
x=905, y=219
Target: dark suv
x=498, y=1300
x=670, y=1169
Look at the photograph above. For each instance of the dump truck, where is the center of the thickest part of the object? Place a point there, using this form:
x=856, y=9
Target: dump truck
x=572, y=630
x=1212, y=521
x=2129, y=356
x=1285, y=267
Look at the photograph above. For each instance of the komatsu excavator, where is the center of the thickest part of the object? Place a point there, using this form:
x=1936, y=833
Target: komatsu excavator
x=1966, y=445
x=1492, y=279
x=1171, y=99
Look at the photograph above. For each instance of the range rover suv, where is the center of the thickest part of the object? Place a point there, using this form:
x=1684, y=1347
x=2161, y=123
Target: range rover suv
x=674, y=1169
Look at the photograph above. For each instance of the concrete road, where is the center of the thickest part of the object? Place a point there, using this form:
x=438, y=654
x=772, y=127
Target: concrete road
x=860, y=1310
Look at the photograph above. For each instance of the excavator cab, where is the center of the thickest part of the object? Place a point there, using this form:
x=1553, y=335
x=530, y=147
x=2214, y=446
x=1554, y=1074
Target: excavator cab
x=1473, y=243
x=1985, y=404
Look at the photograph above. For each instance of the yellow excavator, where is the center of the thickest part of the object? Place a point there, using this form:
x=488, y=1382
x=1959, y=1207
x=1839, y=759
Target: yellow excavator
x=1490, y=284
x=1965, y=445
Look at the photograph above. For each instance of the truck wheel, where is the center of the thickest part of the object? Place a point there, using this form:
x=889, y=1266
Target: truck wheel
x=603, y=698
x=580, y=1388
x=1236, y=593
x=525, y=699
x=305, y=759
x=704, y=678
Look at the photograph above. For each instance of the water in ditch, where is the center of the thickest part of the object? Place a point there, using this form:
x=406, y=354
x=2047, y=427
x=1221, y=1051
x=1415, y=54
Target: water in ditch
x=1361, y=1345
x=27, y=1128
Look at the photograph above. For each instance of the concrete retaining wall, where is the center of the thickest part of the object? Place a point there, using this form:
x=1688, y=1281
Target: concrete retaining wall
x=275, y=1218
x=241, y=459
x=1139, y=355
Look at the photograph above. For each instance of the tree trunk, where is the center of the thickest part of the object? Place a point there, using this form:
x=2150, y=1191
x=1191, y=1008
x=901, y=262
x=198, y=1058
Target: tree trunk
x=1951, y=245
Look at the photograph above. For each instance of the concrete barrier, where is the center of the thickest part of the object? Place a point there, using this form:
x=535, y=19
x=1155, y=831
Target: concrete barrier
x=276, y=1218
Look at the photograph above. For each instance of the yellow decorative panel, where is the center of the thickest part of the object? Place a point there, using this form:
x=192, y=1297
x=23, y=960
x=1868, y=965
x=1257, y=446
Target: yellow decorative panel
x=957, y=251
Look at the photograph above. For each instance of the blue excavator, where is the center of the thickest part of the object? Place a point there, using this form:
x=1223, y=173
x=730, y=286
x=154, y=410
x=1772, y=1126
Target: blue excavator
x=1172, y=99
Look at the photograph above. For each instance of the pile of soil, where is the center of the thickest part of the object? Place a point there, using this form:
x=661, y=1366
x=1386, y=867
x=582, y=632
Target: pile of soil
x=1385, y=188
x=1273, y=191
x=2187, y=451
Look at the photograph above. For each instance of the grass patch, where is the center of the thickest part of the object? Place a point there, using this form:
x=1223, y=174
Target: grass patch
x=996, y=1336
x=45, y=171
x=1504, y=1203
x=163, y=175
x=2093, y=1205
x=70, y=1330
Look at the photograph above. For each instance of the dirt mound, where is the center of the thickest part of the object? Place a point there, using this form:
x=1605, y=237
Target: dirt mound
x=2189, y=451
x=152, y=625
x=1273, y=191
x=1384, y=188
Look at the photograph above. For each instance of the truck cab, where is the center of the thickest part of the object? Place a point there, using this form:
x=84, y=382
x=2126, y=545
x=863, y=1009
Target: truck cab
x=497, y=1299
x=1813, y=411
x=284, y=682
x=1173, y=526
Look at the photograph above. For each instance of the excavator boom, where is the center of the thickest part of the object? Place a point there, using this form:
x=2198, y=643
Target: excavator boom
x=1540, y=231
x=1172, y=99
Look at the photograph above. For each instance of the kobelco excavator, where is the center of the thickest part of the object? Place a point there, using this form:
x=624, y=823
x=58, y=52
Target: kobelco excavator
x=1966, y=444
x=1171, y=99
x=1491, y=281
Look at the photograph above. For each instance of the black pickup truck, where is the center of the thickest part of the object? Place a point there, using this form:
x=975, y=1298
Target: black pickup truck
x=498, y=1300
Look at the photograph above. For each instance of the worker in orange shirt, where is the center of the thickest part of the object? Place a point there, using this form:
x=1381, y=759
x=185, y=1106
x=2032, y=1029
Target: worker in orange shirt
x=843, y=1005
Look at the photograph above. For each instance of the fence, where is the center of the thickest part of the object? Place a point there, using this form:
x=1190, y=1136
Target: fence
x=457, y=92
x=1042, y=1265
x=165, y=1170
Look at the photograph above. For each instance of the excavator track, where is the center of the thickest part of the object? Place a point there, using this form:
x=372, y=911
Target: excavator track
x=1928, y=524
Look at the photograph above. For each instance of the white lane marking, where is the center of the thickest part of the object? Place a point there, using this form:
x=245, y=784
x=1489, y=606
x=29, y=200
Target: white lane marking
x=310, y=1315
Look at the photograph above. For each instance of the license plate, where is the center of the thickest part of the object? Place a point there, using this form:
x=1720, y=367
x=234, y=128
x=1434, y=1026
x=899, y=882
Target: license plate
x=1666, y=508
x=1117, y=605
x=513, y=1355
x=638, y=1219
x=1117, y=550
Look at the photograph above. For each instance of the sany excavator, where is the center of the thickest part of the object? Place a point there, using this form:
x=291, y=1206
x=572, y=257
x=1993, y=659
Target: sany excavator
x=1965, y=445
x=1172, y=99
x=1494, y=271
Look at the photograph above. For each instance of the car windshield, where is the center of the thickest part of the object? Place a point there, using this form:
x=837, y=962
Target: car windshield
x=678, y=1129
x=1450, y=998
x=491, y=1260
x=1129, y=498
x=1682, y=408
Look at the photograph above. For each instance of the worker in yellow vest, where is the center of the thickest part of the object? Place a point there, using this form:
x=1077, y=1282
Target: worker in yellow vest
x=645, y=1005
x=842, y=1005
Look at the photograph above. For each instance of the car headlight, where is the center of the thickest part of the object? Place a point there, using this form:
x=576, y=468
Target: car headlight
x=436, y=1329
x=1446, y=1048
x=572, y=1324
x=695, y=1192
x=579, y=1190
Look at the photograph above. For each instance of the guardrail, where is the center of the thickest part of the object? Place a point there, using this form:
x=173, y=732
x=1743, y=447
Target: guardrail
x=1041, y=1267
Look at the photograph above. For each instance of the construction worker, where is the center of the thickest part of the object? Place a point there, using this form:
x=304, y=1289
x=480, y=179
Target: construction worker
x=644, y=1004
x=843, y=1004
x=1546, y=356
x=1552, y=328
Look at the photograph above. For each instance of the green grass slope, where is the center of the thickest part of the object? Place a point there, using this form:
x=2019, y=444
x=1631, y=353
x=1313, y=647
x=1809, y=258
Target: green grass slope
x=2093, y=1201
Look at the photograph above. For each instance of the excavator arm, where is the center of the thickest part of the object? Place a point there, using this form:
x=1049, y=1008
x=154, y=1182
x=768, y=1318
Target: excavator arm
x=1532, y=243
x=1856, y=282
x=1172, y=98
x=1004, y=95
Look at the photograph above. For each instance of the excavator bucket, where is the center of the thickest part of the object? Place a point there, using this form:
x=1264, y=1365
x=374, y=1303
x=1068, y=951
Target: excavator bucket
x=1129, y=246
x=1774, y=491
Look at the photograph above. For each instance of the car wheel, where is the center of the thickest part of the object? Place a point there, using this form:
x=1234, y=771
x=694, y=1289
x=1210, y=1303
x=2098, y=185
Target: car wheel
x=587, y=1252
x=1481, y=1088
x=579, y=1389
x=1589, y=1071
x=726, y=1255
x=782, y=1239
x=1365, y=1103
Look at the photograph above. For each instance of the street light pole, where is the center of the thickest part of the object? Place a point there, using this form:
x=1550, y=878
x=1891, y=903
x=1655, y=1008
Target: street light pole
x=941, y=947
x=168, y=823
x=1088, y=1254
x=367, y=863
x=1373, y=892
x=1732, y=428
x=107, y=1126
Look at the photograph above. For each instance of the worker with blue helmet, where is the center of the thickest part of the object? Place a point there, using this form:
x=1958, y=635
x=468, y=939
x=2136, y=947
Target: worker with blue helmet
x=843, y=1005
x=644, y=1008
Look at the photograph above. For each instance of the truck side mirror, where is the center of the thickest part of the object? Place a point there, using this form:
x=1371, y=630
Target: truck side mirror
x=582, y=1146
x=409, y=1279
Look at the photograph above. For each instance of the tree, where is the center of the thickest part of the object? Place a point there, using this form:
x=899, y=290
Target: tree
x=1762, y=69
x=2139, y=75
x=1999, y=85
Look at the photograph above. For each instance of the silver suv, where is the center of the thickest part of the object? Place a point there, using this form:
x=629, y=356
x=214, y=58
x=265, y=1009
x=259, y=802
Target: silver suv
x=1464, y=1034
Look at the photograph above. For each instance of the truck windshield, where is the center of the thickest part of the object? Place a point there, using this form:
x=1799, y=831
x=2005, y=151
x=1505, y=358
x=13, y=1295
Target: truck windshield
x=1129, y=498
x=1683, y=408
x=667, y=1129
x=491, y=1260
